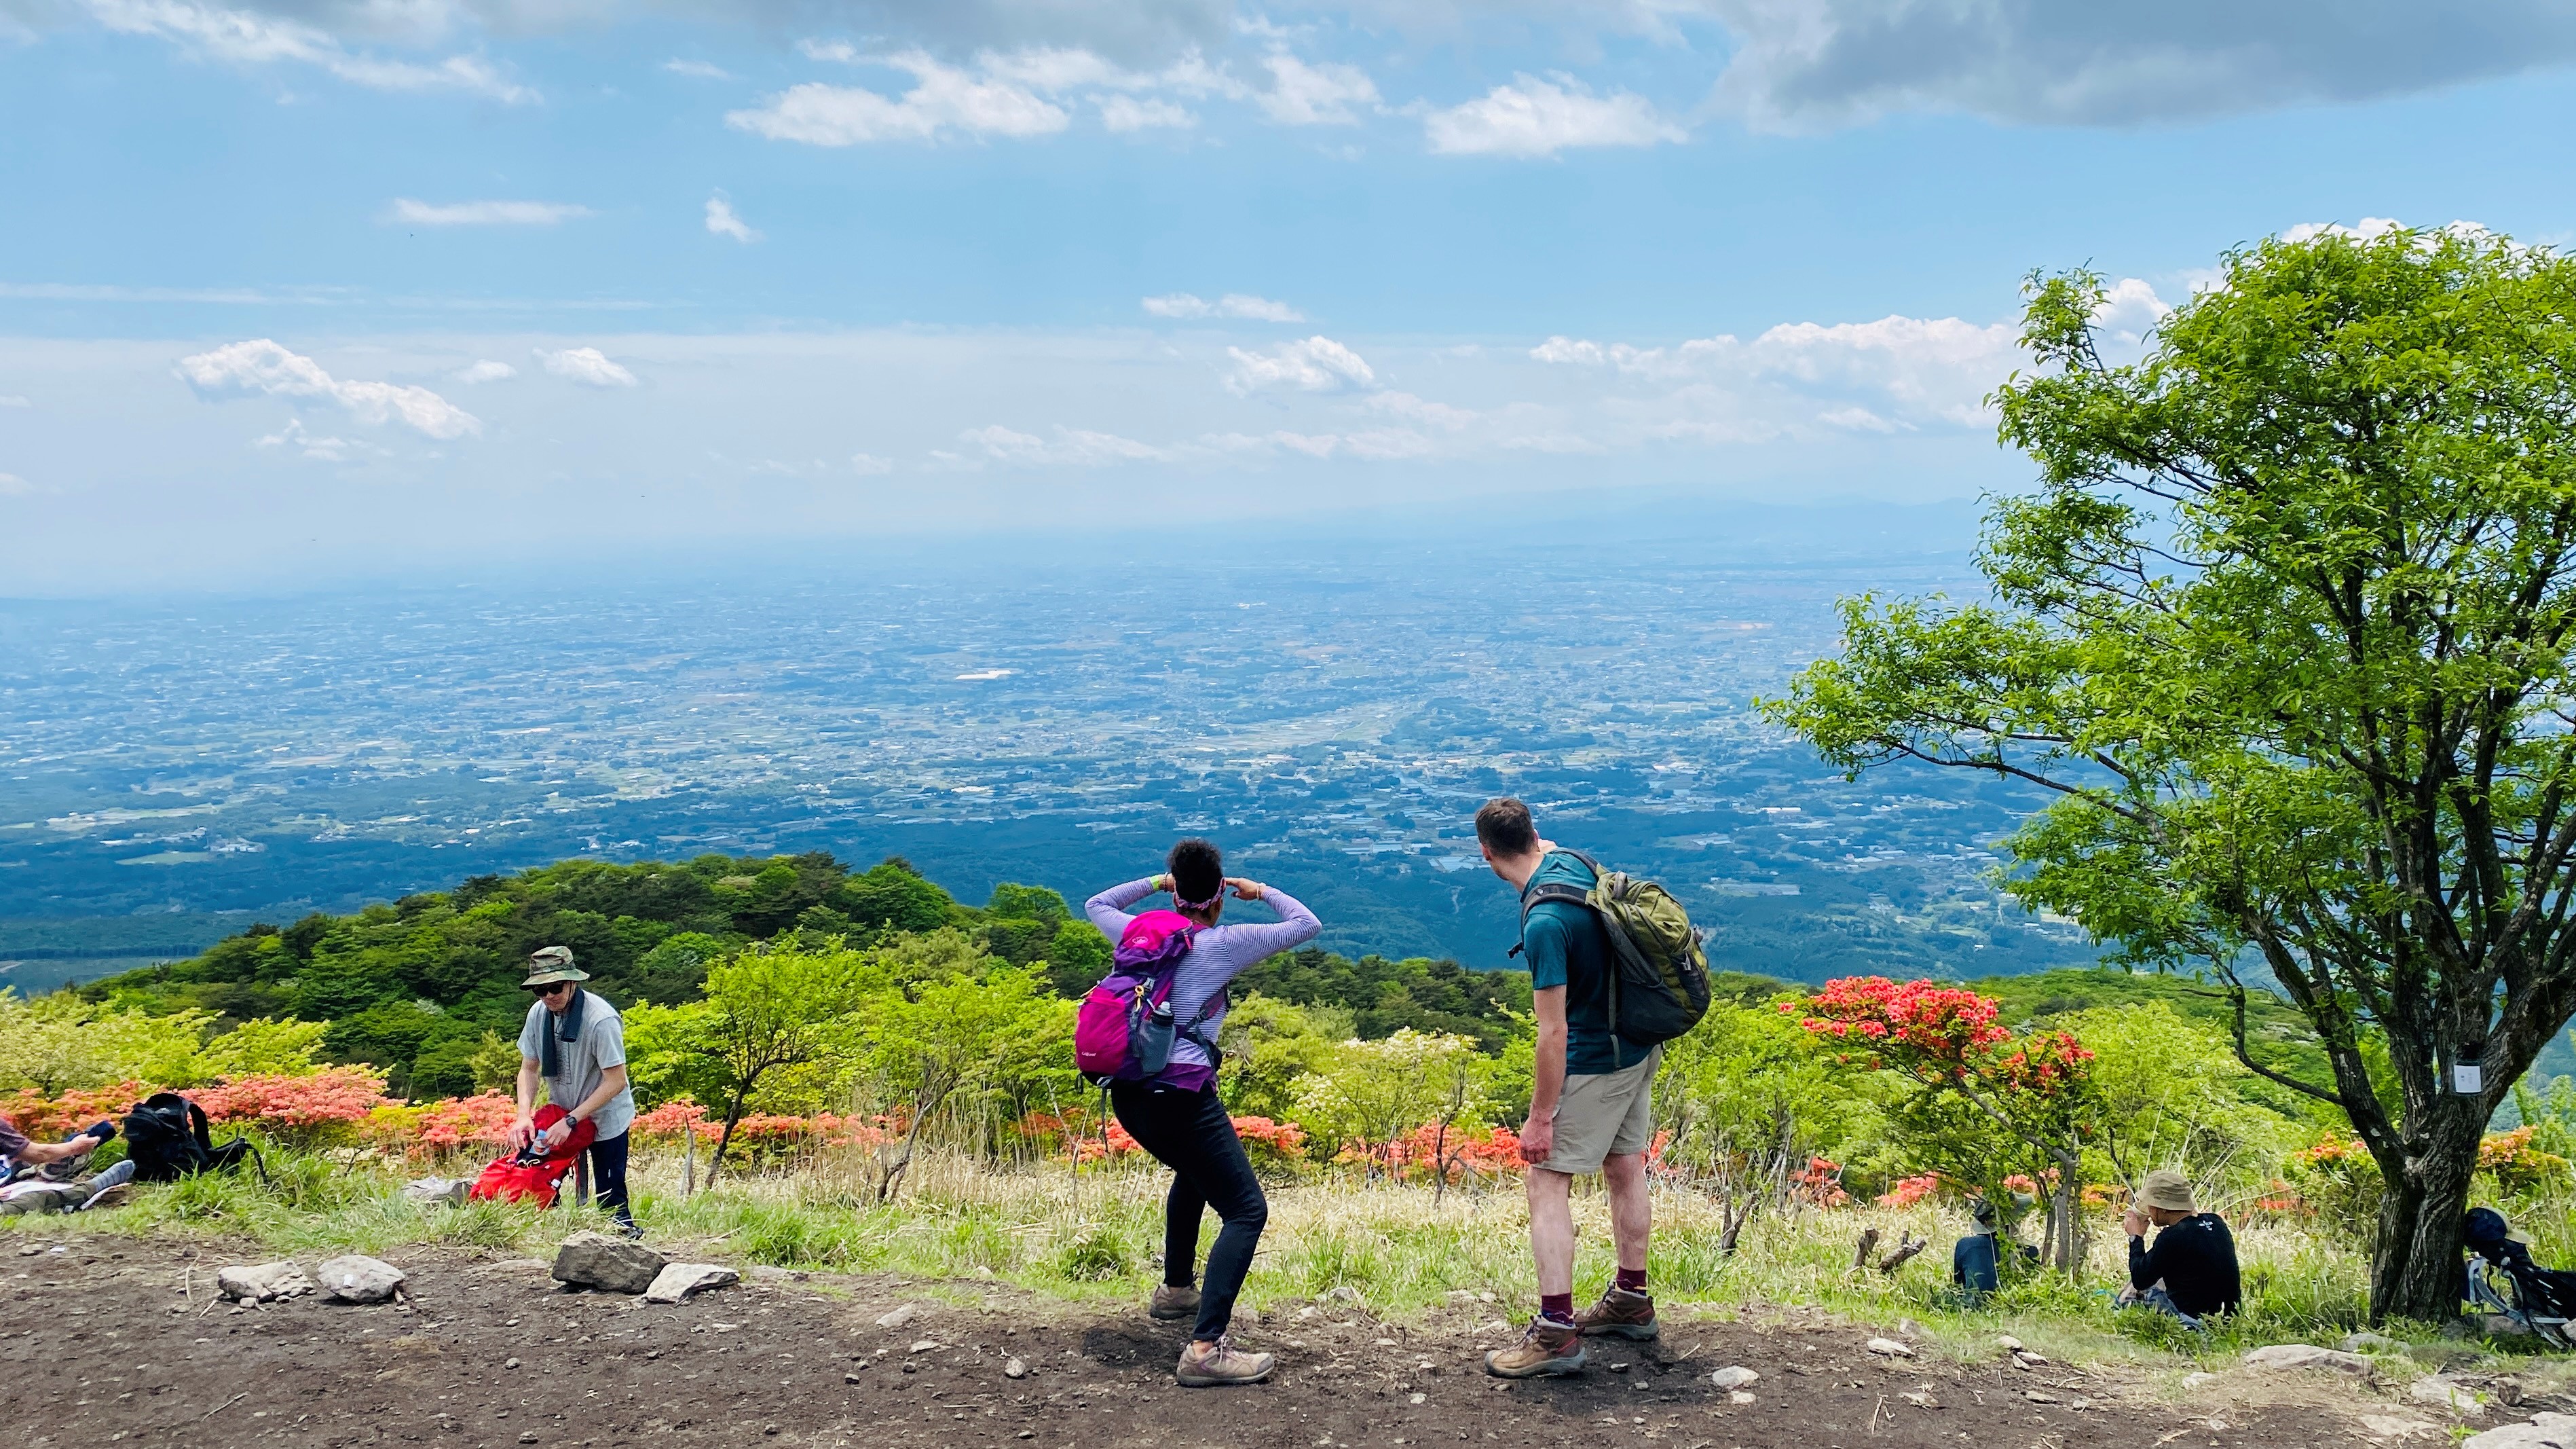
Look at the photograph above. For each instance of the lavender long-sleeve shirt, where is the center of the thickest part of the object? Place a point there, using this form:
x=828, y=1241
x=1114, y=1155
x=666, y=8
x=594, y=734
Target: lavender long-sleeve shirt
x=1219, y=954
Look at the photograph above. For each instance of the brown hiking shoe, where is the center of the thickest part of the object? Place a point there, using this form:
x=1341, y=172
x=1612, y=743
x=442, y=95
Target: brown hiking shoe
x=1620, y=1312
x=1222, y=1364
x=1172, y=1302
x=1547, y=1350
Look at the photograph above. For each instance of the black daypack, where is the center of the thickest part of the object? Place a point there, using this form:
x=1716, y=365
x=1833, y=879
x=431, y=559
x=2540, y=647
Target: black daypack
x=166, y=1138
x=1659, y=986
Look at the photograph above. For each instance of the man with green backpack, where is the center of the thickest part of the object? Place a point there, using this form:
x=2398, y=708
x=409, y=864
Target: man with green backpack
x=1615, y=972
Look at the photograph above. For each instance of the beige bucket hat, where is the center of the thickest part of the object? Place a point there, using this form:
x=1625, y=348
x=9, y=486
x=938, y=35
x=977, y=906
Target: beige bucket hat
x=550, y=964
x=2166, y=1189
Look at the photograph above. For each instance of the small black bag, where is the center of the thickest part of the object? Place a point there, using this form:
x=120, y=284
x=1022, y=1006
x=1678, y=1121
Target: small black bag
x=166, y=1138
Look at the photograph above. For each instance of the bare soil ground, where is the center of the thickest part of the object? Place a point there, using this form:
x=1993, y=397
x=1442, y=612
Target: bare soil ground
x=120, y=1342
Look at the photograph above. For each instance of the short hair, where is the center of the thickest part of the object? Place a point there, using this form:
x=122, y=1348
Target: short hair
x=1506, y=828
x=1198, y=869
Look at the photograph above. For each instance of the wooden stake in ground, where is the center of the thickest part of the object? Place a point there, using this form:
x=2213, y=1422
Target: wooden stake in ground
x=689, y=1169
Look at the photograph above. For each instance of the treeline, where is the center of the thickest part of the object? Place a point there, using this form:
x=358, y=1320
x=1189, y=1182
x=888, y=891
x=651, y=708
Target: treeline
x=420, y=986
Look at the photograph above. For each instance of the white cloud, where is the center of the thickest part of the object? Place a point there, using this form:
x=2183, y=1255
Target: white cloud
x=2129, y=310
x=486, y=370
x=263, y=368
x=483, y=213
x=944, y=99
x=245, y=37
x=1317, y=364
x=697, y=69
x=1805, y=64
x=12, y=400
x=13, y=486
x=870, y=465
x=317, y=449
x=1534, y=117
x=586, y=365
x=1069, y=448
x=1232, y=304
x=1420, y=410
x=1314, y=95
x=722, y=221
x=1129, y=113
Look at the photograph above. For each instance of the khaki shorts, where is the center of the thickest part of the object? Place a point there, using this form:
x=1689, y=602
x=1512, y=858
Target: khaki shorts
x=1604, y=1114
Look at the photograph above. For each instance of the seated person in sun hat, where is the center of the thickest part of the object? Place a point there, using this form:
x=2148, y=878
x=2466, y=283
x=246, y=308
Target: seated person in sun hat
x=2191, y=1271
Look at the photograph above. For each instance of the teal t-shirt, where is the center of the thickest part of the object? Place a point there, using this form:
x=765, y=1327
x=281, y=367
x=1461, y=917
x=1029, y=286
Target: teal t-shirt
x=1564, y=945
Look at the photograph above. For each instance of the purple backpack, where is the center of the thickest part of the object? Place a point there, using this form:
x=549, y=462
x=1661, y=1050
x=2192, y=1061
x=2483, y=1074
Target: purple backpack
x=1124, y=1029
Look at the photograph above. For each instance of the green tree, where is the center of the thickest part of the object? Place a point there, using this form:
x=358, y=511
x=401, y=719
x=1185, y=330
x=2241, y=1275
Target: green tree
x=2284, y=629
x=765, y=1010
x=1746, y=1099
x=992, y=1038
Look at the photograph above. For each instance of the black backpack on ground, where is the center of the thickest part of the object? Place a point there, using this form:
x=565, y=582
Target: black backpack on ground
x=166, y=1139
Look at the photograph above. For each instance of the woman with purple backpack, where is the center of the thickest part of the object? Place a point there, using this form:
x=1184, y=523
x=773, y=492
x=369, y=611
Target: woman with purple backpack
x=1173, y=1112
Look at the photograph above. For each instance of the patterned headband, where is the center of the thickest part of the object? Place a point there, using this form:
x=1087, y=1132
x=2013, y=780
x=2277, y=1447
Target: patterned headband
x=1214, y=896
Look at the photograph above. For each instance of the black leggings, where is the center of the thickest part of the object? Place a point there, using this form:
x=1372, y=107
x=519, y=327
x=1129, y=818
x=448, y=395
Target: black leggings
x=1190, y=1133
x=608, y=1178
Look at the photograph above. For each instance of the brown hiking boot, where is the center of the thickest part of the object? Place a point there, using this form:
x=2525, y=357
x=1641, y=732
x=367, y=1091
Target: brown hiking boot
x=1172, y=1302
x=1222, y=1364
x=1548, y=1350
x=1620, y=1312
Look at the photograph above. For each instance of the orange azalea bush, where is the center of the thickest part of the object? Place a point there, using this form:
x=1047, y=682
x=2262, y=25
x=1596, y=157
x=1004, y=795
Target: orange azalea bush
x=52, y=1118
x=1908, y=1191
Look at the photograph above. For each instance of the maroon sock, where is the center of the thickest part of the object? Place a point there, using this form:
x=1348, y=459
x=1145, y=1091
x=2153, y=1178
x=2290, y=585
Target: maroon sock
x=1632, y=1279
x=1557, y=1306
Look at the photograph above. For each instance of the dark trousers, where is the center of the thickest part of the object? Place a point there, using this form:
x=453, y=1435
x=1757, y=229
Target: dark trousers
x=1190, y=1133
x=608, y=1178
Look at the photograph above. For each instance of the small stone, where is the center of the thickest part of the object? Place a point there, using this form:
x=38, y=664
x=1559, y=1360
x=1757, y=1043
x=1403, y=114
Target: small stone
x=1495, y=1326
x=2306, y=1356
x=1026, y=1434
x=1920, y=1399
x=2546, y=1431
x=509, y=1363
x=849, y=1378
x=1618, y=1368
x=1738, y=1396
x=30, y=1250
x=2037, y=1397
x=1342, y=1293
x=2448, y=1393
x=2027, y=1359
x=596, y=1260
x=923, y=1345
x=764, y=1273
x=769, y=1428
x=677, y=1281
x=898, y=1317
x=2079, y=1403
x=1386, y=1343
x=262, y=1282
x=1888, y=1348
x=1015, y=1369
x=527, y=1436
x=436, y=1191
x=360, y=1279
x=1421, y=1398
x=2007, y=1343
x=2391, y=1426
x=1733, y=1376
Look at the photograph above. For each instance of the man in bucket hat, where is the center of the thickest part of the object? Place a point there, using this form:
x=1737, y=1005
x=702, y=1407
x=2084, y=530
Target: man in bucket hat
x=575, y=1043
x=2191, y=1271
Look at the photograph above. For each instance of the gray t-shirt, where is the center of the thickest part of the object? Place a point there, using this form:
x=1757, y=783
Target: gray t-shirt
x=586, y=1059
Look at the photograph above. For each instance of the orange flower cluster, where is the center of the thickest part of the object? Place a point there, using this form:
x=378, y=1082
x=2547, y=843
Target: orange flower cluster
x=331, y=1097
x=50, y=1118
x=1908, y=1191
x=1819, y=1184
x=1947, y=1023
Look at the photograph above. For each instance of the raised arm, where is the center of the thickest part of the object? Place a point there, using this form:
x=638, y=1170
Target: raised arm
x=1295, y=927
x=1108, y=910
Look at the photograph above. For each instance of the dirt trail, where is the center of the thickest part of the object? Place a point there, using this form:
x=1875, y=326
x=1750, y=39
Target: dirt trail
x=101, y=1345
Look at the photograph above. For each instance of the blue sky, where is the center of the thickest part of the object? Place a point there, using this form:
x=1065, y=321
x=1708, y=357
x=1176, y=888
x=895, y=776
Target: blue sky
x=392, y=286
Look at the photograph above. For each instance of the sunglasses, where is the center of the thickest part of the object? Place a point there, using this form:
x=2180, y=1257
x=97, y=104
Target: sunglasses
x=550, y=988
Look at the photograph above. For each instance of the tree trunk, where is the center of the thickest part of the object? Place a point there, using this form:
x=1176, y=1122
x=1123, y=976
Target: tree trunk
x=2416, y=1271
x=733, y=1114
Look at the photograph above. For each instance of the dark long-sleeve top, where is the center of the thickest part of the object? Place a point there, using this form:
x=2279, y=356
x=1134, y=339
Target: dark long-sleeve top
x=2196, y=1259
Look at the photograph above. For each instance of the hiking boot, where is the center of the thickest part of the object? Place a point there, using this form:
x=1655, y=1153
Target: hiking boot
x=1222, y=1364
x=1620, y=1312
x=1547, y=1350
x=1170, y=1301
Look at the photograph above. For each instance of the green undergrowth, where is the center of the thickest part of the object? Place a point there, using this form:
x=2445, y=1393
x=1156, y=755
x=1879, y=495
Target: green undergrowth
x=959, y=1231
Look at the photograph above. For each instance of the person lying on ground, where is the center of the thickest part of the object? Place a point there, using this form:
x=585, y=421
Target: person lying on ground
x=2191, y=1271
x=574, y=1042
x=1177, y=1117
x=107, y=1188
x=1591, y=1105
x=17, y=1152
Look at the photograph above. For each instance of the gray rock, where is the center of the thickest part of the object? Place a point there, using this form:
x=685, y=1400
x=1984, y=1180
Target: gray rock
x=2307, y=1356
x=360, y=1279
x=1015, y=1369
x=2448, y=1393
x=1888, y=1348
x=2195, y=1380
x=1733, y=1376
x=678, y=1280
x=436, y=1191
x=2548, y=1431
x=768, y=1274
x=596, y=1260
x=898, y=1317
x=262, y=1282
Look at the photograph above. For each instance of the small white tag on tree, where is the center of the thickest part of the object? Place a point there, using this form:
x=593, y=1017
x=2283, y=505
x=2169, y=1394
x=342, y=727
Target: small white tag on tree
x=2468, y=1079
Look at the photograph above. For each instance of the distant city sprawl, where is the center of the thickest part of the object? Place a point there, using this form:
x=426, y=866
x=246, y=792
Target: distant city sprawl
x=1336, y=724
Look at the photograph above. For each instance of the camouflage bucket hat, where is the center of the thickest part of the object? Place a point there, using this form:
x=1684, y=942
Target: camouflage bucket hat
x=550, y=964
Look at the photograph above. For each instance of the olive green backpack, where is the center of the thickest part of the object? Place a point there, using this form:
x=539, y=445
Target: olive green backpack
x=1659, y=972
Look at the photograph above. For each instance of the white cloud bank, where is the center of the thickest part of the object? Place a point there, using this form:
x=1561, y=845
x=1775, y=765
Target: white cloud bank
x=587, y=366
x=486, y=370
x=245, y=36
x=1325, y=94
x=1535, y=117
x=1232, y=304
x=944, y=100
x=408, y=212
x=1317, y=364
x=262, y=368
